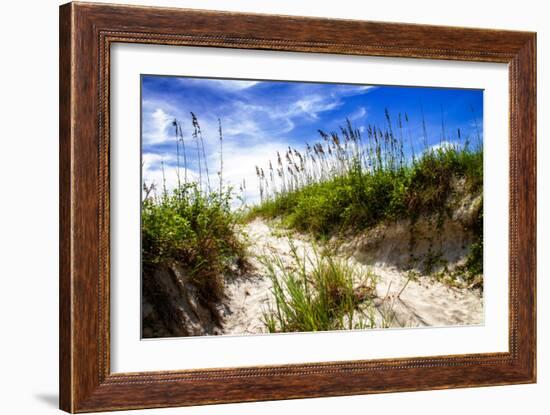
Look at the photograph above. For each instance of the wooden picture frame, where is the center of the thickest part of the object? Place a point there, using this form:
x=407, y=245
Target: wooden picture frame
x=86, y=33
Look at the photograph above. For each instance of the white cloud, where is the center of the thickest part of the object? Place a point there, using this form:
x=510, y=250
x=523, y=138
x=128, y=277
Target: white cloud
x=444, y=146
x=360, y=113
x=312, y=106
x=156, y=126
x=152, y=173
x=152, y=161
x=349, y=90
x=239, y=164
x=237, y=125
x=236, y=85
x=282, y=116
x=227, y=84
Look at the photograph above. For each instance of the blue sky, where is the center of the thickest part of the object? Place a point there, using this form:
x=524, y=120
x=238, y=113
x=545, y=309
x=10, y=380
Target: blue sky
x=260, y=118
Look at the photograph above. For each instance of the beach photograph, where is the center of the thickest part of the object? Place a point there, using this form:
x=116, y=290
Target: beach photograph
x=273, y=206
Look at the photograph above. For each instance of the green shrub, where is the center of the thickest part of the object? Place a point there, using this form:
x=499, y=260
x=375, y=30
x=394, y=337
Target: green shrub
x=195, y=230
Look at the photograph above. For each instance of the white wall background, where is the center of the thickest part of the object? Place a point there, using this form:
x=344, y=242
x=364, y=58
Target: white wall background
x=29, y=207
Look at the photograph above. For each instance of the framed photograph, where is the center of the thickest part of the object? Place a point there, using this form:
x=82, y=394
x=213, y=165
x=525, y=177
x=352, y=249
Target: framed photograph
x=260, y=207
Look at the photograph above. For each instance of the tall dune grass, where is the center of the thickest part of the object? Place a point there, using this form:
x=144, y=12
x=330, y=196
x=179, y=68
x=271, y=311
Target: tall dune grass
x=351, y=182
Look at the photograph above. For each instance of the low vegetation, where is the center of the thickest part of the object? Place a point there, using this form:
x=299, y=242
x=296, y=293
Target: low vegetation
x=197, y=231
x=318, y=294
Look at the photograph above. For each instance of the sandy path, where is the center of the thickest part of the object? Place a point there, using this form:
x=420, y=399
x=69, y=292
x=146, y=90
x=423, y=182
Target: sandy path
x=399, y=302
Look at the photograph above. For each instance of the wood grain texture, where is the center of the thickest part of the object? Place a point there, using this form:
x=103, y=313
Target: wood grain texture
x=65, y=247
x=86, y=33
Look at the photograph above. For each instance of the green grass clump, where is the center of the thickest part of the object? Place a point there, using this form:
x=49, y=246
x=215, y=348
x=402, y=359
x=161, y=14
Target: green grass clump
x=196, y=230
x=318, y=294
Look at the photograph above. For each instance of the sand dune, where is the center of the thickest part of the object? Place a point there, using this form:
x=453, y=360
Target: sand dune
x=401, y=301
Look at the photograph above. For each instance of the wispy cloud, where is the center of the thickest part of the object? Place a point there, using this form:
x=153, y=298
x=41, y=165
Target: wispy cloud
x=155, y=126
x=224, y=84
x=162, y=170
x=238, y=169
x=359, y=114
x=312, y=106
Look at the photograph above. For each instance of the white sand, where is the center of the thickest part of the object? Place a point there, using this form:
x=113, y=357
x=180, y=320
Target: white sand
x=399, y=301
